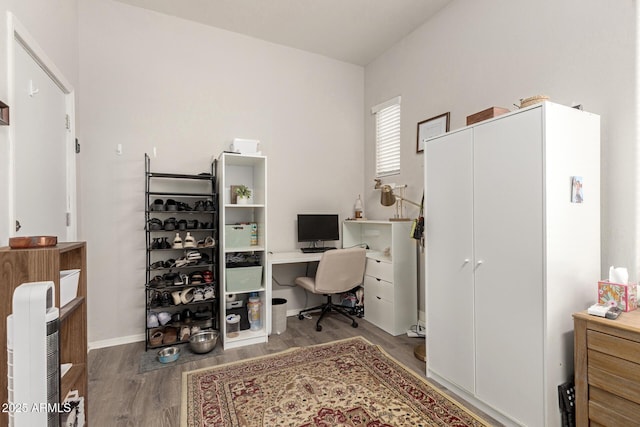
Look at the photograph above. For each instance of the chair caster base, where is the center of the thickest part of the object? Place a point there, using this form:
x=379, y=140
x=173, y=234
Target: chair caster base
x=354, y=324
x=318, y=328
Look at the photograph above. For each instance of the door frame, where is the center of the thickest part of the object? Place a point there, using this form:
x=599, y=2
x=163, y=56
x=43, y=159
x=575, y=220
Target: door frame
x=17, y=33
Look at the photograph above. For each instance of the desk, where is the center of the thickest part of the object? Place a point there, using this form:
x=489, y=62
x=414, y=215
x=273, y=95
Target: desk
x=291, y=257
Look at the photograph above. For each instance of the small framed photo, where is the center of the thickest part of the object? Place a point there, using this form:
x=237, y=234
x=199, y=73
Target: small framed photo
x=577, y=195
x=432, y=127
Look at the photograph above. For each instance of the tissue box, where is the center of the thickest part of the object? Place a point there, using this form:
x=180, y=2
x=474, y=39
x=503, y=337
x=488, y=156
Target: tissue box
x=245, y=146
x=624, y=296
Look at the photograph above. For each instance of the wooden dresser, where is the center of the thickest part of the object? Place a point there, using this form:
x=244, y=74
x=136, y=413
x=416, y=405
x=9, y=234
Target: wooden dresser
x=607, y=370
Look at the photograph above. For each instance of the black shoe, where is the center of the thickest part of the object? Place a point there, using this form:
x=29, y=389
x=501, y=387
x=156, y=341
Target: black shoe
x=182, y=224
x=155, y=299
x=158, y=205
x=171, y=205
x=165, y=243
x=155, y=244
x=165, y=299
x=170, y=224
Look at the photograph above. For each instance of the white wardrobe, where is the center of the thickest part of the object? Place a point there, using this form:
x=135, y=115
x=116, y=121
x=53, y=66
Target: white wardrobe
x=511, y=254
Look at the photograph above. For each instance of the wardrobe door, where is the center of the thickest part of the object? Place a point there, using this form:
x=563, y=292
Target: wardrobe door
x=508, y=246
x=449, y=227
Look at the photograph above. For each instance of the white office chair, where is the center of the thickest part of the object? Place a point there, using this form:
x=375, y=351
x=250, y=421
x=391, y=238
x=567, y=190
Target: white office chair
x=339, y=270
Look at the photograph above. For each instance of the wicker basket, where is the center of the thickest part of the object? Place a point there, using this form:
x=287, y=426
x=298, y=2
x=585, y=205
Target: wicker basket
x=533, y=100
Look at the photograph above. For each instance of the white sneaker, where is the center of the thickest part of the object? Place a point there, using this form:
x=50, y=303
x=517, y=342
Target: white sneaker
x=177, y=242
x=189, y=241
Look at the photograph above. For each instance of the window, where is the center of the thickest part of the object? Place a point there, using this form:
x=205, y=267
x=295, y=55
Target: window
x=387, y=137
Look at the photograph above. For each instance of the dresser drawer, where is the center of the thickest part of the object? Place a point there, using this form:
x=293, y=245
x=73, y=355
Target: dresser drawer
x=613, y=345
x=377, y=289
x=379, y=269
x=608, y=409
x=614, y=375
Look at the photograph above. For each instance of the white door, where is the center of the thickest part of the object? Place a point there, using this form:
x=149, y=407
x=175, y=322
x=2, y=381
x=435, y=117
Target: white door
x=449, y=233
x=40, y=142
x=508, y=239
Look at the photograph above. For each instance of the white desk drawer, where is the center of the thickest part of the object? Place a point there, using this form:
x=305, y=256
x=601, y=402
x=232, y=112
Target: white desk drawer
x=377, y=289
x=379, y=312
x=379, y=269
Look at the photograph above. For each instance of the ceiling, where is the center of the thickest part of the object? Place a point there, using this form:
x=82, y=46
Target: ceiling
x=355, y=31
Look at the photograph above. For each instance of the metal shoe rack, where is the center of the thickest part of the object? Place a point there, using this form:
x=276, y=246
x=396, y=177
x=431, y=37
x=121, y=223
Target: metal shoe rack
x=181, y=286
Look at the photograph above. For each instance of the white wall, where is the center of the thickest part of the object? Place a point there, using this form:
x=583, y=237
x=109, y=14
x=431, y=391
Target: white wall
x=54, y=26
x=474, y=55
x=150, y=80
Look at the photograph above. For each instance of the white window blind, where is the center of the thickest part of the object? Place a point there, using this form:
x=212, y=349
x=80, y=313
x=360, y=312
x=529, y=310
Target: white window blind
x=387, y=117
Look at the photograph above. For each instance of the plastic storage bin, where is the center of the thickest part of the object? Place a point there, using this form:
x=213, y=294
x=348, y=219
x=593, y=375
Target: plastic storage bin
x=242, y=279
x=233, y=325
x=68, y=285
x=237, y=235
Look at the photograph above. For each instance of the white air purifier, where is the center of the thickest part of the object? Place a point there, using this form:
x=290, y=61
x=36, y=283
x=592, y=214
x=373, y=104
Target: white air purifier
x=33, y=357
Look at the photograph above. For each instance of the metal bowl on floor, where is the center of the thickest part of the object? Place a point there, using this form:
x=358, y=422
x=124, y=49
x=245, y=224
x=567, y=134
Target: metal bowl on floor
x=169, y=354
x=203, y=341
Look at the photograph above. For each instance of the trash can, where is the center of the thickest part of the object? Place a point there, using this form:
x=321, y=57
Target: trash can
x=278, y=315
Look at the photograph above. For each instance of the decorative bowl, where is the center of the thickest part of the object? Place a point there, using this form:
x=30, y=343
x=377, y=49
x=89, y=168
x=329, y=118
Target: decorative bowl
x=169, y=354
x=203, y=341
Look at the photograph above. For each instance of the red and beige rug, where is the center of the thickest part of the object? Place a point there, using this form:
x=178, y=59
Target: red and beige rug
x=350, y=383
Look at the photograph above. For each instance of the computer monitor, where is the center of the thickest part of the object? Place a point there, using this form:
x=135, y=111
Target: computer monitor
x=318, y=227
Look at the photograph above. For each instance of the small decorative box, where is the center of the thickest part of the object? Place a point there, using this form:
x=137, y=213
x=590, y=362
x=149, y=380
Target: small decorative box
x=624, y=296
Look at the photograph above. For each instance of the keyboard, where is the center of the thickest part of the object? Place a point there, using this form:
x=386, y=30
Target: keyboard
x=315, y=250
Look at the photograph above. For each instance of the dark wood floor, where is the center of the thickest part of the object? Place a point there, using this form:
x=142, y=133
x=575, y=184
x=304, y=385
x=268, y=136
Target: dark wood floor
x=120, y=396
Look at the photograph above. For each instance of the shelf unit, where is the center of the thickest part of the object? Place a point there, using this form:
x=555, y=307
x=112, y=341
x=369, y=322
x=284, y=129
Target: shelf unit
x=251, y=171
x=18, y=266
x=390, y=277
x=194, y=209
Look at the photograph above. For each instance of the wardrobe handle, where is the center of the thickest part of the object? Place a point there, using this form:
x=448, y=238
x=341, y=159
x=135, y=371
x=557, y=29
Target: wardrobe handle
x=478, y=264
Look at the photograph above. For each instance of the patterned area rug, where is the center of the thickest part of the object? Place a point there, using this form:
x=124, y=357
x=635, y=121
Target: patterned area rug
x=350, y=383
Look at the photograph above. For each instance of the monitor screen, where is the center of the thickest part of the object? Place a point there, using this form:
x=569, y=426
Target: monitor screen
x=320, y=227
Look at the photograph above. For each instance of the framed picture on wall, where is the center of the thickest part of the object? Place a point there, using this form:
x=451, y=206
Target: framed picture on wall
x=431, y=127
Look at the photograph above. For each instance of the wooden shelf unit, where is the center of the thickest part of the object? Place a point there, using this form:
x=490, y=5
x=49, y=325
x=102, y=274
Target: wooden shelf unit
x=18, y=266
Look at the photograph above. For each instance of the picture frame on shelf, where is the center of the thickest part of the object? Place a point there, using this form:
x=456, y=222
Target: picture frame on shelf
x=429, y=128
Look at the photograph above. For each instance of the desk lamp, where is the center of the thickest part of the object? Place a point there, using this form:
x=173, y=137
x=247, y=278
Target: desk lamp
x=388, y=198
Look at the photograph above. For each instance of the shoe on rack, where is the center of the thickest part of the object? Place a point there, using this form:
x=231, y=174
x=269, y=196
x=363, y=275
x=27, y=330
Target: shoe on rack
x=208, y=206
x=155, y=243
x=192, y=224
x=182, y=225
x=152, y=320
x=170, y=336
x=209, y=242
x=171, y=205
x=165, y=299
x=201, y=205
x=177, y=242
x=196, y=278
x=154, y=224
x=209, y=292
x=157, y=205
x=164, y=317
x=155, y=299
x=198, y=295
x=176, y=297
x=155, y=337
x=185, y=333
x=186, y=296
x=189, y=241
x=182, y=206
x=207, y=275
x=165, y=243
x=170, y=224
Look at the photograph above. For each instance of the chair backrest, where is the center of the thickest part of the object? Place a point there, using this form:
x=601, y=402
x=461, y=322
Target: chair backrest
x=340, y=270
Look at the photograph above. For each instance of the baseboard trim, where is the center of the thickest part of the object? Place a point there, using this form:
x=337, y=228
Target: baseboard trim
x=94, y=345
